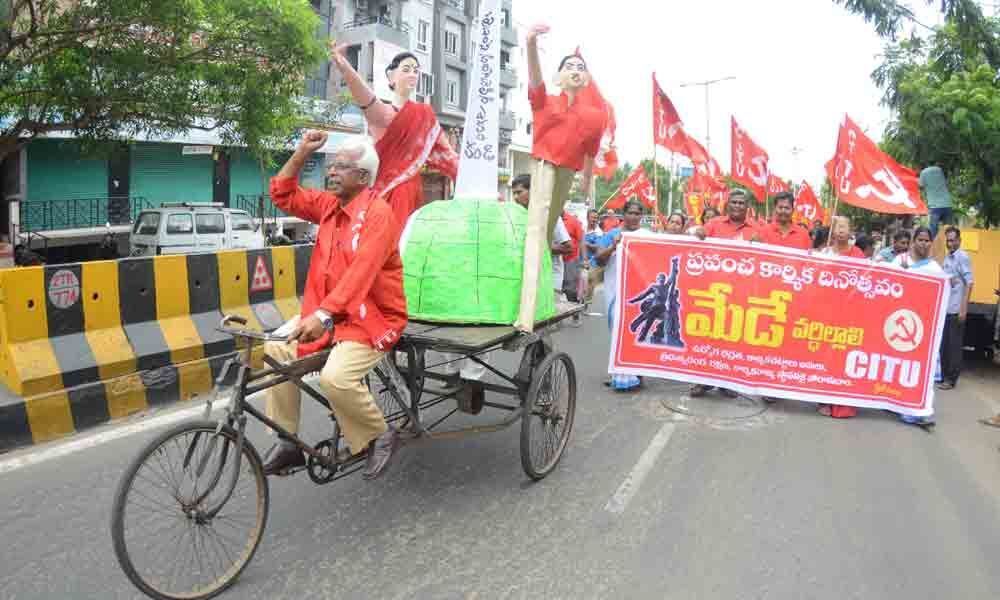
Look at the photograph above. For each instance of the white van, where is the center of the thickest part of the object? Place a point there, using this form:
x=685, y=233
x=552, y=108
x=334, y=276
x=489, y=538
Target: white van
x=188, y=227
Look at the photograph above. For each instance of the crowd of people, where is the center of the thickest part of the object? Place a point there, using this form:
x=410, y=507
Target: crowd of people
x=909, y=249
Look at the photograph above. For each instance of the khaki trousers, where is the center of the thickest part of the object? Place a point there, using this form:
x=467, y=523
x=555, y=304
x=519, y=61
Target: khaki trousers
x=550, y=187
x=341, y=381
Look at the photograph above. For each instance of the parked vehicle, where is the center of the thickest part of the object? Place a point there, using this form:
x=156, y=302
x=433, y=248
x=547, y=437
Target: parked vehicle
x=982, y=328
x=189, y=227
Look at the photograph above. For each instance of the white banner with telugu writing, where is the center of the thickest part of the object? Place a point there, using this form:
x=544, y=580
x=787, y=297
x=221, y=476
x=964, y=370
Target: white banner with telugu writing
x=479, y=152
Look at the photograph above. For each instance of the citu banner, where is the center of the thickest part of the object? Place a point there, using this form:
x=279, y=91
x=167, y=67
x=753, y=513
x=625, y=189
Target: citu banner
x=767, y=320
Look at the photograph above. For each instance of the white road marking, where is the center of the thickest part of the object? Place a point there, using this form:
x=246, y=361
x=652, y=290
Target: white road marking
x=619, y=501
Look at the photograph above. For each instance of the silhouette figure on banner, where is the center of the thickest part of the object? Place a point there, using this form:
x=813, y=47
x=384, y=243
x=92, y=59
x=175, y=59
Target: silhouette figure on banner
x=660, y=306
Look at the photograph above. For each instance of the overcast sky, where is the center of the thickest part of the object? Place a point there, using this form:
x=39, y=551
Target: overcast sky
x=799, y=66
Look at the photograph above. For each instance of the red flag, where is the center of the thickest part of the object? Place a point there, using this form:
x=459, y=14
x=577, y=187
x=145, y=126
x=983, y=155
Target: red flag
x=865, y=176
x=702, y=160
x=807, y=206
x=668, y=130
x=637, y=184
x=749, y=162
x=776, y=185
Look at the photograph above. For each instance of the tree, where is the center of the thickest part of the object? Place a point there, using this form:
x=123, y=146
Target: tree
x=944, y=91
x=109, y=69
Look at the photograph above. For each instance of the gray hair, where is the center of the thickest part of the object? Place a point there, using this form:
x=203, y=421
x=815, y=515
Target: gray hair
x=363, y=147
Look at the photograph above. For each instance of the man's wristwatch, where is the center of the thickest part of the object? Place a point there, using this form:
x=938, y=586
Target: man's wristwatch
x=325, y=319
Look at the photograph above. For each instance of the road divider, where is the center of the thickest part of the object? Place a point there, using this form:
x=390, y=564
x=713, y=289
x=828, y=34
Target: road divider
x=82, y=344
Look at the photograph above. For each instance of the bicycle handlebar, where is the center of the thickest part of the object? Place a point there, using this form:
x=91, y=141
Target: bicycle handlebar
x=246, y=333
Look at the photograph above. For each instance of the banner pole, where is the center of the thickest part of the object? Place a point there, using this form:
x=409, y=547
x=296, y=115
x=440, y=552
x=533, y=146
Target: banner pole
x=670, y=190
x=656, y=189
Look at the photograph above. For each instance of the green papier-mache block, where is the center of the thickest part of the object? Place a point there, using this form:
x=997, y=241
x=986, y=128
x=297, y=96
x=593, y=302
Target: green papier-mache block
x=462, y=263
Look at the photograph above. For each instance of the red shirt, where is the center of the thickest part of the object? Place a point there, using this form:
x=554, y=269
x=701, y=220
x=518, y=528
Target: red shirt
x=723, y=227
x=369, y=240
x=797, y=237
x=575, y=230
x=564, y=133
x=853, y=252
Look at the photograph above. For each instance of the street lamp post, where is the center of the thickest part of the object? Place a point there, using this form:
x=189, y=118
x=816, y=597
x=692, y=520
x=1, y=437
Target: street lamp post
x=708, y=122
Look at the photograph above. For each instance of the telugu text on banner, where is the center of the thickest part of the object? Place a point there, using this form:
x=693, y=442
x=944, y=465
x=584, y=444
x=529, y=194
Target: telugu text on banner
x=773, y=321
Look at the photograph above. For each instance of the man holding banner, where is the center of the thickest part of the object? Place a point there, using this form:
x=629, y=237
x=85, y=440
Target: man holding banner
x=765, y=321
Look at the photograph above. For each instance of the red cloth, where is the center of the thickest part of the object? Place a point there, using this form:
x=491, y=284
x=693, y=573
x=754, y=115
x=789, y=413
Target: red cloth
x=355, y=273
x=749, y=162
x=637, y=184
x=564, y=133
x=413, y=139
x=668, y=129
x=853, y=252
x=797, y=237
x=864, y=176
x=609, y=223
x=575, y=230
x=723, y=227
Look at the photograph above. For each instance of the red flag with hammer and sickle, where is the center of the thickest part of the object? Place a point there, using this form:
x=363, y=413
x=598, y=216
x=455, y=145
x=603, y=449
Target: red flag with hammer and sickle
x=865, y=176
x=637, y=184
x=668, y=130
x=749, y=162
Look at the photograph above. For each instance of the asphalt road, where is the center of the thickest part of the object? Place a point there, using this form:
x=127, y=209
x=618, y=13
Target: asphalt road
x=785, y=504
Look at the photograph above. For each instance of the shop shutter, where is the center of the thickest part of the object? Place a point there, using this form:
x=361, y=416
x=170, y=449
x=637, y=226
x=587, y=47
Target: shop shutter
x=161, y=173
x=58, y=174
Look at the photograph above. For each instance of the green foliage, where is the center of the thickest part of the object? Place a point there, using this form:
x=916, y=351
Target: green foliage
x=945, y=95
x=104, y=69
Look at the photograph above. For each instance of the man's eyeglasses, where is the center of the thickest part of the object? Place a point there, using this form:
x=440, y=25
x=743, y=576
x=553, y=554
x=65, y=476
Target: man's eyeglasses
x=342, y=167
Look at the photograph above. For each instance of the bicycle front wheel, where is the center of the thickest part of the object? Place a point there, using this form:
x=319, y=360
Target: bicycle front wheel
x=181, y=527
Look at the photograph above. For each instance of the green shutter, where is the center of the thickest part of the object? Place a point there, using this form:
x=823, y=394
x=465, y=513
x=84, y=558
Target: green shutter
x=57, y=173
x=160, y=173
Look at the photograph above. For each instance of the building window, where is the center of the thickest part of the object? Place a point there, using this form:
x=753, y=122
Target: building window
x=452, y=37
x=423, y=27
x=453, y=88
x=451, y=42
x=505, y=17
x=504, y=60
x=425, y=87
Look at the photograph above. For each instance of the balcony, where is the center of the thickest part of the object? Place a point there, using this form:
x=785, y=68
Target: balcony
x=508, y=76
x=507, y=120
x=367, y=28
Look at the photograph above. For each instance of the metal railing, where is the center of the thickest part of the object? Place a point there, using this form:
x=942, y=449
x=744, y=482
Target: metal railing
x=259, y=206
x=80, y=213
x=370, y=20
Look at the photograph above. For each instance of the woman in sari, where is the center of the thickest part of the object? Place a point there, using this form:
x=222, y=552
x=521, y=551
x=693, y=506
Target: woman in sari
x=407, y=134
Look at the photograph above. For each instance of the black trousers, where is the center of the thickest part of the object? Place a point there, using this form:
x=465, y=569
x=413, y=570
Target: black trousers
x=951, y=348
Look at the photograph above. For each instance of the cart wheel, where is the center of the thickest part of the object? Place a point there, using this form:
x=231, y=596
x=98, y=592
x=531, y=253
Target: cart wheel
x=179, y=525
x=548, y=415
x=387, y=398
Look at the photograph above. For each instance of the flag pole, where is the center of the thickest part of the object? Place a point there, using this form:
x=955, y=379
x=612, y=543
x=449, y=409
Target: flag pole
x=670, y=190
x=656, y=189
